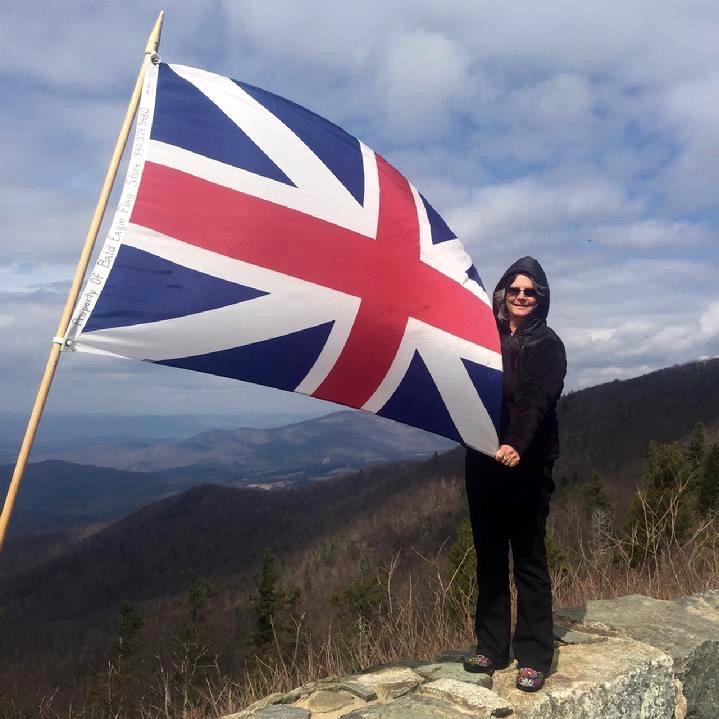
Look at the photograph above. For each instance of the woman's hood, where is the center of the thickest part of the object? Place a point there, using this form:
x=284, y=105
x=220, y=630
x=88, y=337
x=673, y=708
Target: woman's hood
x=530, y=267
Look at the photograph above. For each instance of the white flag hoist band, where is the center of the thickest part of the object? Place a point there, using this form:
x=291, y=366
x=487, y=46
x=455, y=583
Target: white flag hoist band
x=62, y=341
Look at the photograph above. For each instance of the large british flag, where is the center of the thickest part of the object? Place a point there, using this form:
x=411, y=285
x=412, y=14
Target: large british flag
x=259, y=241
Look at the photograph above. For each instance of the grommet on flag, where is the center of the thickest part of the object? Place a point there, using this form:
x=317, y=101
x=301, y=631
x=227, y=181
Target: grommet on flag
x=64, y=342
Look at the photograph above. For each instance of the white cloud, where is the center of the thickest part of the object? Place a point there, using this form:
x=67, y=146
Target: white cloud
x=425, y=75
x=581, y=134
x=495, y=213
x=652, y=234
x=709, y=323
x=602, y=334
x=41, y=225
x=691, y=108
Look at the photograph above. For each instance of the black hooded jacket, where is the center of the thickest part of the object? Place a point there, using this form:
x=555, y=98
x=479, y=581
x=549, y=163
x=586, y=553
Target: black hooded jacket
x=535, y=364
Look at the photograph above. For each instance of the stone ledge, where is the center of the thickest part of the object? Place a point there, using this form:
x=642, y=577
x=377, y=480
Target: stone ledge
x=612, y=679
x=687, y=629
x=637, y=658
x=483, y=702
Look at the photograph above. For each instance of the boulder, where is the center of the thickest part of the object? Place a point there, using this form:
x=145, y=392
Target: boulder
x=480, y=701
x=686, y=629
x=609, y=679
x=391, y=682
x=452, y=670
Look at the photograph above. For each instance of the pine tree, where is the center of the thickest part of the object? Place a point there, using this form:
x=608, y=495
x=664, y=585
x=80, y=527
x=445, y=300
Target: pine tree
x=272, y=606
x=360, y=601
x=113, y=686
x=708, y=495
x=664, y=511
x=598, y=511
x=265, y=602
x=556, y=556
x=192, y=655
x=695, y=452
x=128, y=628
x=200, y=592
x=595, y=497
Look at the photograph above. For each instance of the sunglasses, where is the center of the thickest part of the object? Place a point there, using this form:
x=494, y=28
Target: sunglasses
x=514, y=291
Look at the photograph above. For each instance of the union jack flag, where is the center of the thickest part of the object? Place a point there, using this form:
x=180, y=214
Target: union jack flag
x=258, y=241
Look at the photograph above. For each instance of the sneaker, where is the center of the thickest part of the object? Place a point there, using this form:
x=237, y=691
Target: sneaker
x=479, y=664
x=529, y=680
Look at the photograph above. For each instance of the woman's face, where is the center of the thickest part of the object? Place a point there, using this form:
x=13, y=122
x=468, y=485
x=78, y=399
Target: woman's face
x=520, y=298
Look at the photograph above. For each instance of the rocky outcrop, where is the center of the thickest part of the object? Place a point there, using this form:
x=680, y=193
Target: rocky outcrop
x=686, y=629
x=634, y=657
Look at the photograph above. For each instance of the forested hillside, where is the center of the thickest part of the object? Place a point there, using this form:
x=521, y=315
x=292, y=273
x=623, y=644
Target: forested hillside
x=607, y=428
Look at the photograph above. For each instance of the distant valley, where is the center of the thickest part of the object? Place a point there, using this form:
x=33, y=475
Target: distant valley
x=101, y=482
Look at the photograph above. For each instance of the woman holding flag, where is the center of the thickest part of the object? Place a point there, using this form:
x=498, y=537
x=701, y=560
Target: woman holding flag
x=509, y=494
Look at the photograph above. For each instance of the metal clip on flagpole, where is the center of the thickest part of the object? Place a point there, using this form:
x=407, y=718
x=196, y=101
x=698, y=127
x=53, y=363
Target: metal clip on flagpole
x=59, y=342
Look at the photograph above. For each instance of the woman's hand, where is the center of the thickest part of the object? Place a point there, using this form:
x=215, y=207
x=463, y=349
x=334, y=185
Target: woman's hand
x=507, y=456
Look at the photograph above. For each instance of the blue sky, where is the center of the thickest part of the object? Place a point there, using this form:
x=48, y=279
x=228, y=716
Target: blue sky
x=585, y=135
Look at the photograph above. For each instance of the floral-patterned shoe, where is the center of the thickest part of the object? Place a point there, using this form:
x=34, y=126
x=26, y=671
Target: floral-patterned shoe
x=479, y=664
x=529, y=680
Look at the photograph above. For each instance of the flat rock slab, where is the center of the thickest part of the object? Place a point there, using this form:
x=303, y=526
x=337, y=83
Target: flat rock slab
x=410, y=707
x=687, y=629
x=674, y=627
x=282, y=712
x=612, y=679
x=482, y=702
x=329, y=700
x=391, y=682
x=360, y=690
x=570, y=636
x=269, y=700
x=453, y=670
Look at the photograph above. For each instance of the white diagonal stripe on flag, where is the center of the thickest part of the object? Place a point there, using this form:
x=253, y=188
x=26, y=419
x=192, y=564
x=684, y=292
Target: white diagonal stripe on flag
x=318, y=192
x=292, y=305
x=442, y=354
x=448, y=257
x=455, y=385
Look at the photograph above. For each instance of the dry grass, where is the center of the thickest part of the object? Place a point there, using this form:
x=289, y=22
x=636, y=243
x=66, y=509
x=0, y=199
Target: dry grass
x=652, y=560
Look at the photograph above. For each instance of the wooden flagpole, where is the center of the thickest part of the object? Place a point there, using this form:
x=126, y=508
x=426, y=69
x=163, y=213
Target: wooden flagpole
x=151, y=48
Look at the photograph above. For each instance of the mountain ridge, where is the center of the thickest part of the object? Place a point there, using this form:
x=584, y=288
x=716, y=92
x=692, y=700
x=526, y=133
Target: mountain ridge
x=62, y=495
x=349, y=437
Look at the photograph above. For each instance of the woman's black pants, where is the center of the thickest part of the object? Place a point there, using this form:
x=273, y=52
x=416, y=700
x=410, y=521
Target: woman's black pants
x=508, y=508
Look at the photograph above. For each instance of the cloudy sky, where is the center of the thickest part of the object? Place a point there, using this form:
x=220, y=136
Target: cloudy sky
x=584, y=134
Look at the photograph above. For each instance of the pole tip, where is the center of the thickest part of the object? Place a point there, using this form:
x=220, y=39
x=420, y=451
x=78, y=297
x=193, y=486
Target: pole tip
x=154, y=41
